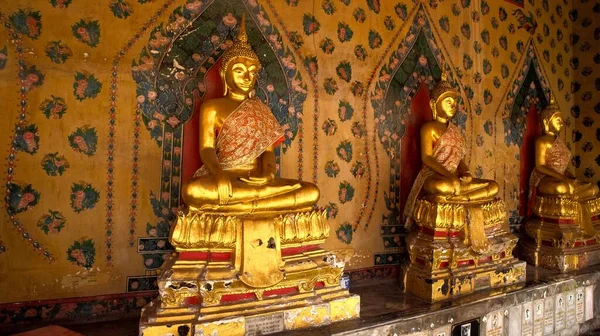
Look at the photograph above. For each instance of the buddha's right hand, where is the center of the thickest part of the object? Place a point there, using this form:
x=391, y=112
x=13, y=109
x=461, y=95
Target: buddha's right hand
x=223, y=188
x=456, y=185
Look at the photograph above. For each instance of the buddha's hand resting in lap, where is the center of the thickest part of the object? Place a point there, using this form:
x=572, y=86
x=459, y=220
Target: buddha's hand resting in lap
x=456, y=185
x=258, y=180
x=223, y=187
x=466, y=177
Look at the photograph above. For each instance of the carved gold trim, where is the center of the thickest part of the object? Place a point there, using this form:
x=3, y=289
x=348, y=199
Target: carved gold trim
x=555, y=207
x=303, y=227
x=454, y=215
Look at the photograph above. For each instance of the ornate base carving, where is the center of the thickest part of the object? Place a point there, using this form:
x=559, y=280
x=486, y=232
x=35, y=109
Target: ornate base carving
x=457, y=249
x=231, y=271
x=270, y=316
x=556, y=237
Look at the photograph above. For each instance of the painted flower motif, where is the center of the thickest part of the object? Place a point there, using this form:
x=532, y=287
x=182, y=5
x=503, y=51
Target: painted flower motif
x=330, y=86
x=374, y=5
x=485, y=36
x=344, y=233
x=465, y=3
x=345, y=192
x=389, y=23
x=60, y=3
x=345, y=110
x=21, y=198
x=327, y=45
x=328, y=7
x=487, y=66
x=82, y=253
x=357, y=88
x=54, y=164
x=455, y=41
x=86, y=86
x=445, y=23
x=344, y=71
x=121, y=9
x=296, y=39
x=53, y=107
x=360, y=52
x=332, y=169
x=311, y=64
x=465, y=29
x=310, y=23
x=503, y=42
x=84, y=140
x=3, y=57
x=58, y=52
x=344, y=32
x=52, y=222
x=497, y=82
x=27, y=22
x=32, y=77
x=487, y=97
x=87, y=31
x=485, y=8
x=359, y=15
x=358, y=130
x=375, y=39
x=83, y=196
x=292, y=3
x=27, y=139
x=488, y=127
x=345, y=2
x=467, y=61
x=504, y=71
x=329, y=127
x=358, y=169
x=331, y=210
x=344, y=150
x=401, y=10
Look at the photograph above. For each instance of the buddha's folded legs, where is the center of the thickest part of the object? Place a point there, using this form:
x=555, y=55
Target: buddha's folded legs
x=475, y=190
x=279, y=194
x=549, y=186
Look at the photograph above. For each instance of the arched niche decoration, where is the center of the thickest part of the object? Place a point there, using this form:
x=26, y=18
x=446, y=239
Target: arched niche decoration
x=526, y=98
x=400, y=103
x=178, y=69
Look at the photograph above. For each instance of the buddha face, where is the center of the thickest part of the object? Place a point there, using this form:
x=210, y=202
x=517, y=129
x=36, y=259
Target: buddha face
x=240, y=75
x=555, y=124
x=446, y=108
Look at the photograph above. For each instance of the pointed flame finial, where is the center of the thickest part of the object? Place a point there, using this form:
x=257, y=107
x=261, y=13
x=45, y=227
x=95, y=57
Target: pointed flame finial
x=242, y=35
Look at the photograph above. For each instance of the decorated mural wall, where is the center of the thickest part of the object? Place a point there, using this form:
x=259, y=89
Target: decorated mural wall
x=96, y=97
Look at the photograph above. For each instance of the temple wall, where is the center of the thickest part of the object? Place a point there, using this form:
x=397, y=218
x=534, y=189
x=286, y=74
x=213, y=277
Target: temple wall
x=91, y=188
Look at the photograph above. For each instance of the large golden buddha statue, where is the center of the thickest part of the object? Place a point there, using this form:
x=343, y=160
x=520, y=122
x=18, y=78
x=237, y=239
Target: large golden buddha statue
x=248, y=256
x=564, y=223
x=461, y=241
x=237, y=139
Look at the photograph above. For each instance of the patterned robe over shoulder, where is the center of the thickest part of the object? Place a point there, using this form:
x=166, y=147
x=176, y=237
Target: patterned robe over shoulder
x=245, y=134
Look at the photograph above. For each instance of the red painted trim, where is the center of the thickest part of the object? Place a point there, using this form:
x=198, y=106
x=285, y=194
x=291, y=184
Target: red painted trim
x=462, y=263
x=297, y=250
x=557, y=220
x=444, y=264
x=205, y=256
x=281, y=291
x=439, y=233
x=237, y=297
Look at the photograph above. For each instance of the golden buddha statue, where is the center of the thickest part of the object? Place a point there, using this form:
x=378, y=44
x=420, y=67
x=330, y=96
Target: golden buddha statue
x=248, y=247
x=561, y=229
x=237, y=139
x=461, y=242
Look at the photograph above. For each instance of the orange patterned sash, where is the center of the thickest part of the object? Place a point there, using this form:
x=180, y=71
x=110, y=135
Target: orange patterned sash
x=245, y=134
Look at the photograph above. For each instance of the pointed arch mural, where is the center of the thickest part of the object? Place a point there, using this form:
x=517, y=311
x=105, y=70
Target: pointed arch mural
x=172, y=69
x=525, y=99
x=400, y=96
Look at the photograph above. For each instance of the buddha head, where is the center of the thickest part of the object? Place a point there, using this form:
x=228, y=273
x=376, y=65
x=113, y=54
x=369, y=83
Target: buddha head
x=239, y=65
x=552, y=118
x=444, y=99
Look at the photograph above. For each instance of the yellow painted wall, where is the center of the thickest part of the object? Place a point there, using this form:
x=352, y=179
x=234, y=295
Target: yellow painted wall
x=30, y=275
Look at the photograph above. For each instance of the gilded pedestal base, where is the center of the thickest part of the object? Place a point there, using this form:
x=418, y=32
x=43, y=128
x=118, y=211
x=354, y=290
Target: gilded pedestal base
x=444, y=262
x=248, y=274
x=555, y=237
